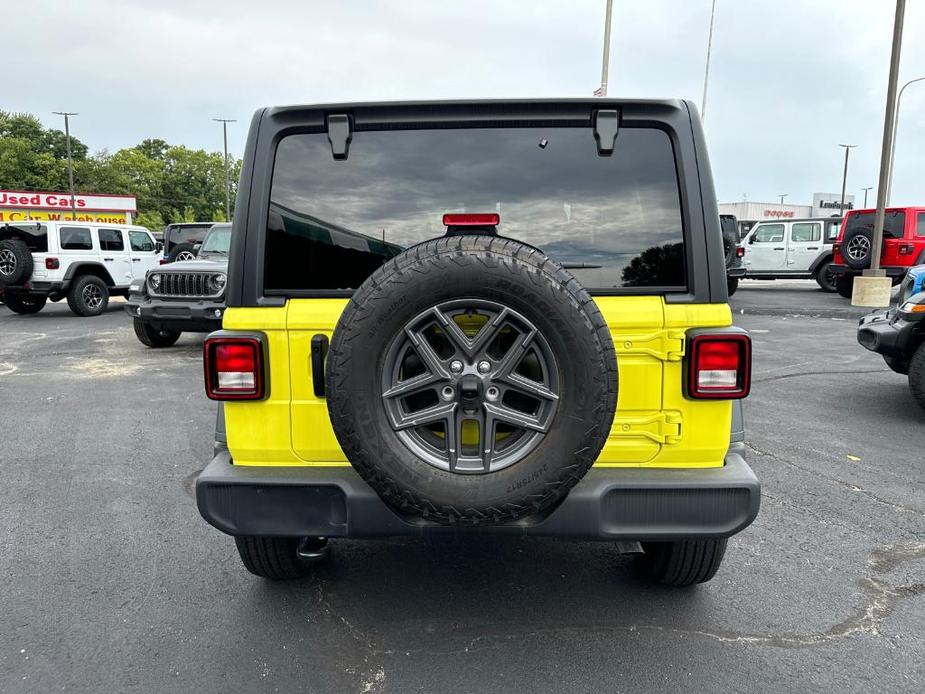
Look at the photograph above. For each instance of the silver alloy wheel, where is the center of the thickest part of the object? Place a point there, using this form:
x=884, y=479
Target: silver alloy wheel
x=7, y=262
x=185, y=255
x=470, y=420
x=858, y=247
x=92, y=296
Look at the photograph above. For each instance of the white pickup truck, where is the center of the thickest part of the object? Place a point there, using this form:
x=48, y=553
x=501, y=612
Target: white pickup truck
x=792, y=249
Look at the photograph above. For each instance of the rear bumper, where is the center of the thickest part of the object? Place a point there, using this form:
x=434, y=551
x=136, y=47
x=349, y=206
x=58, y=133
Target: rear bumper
x=54, y=290
x=181, y=316
x=735, y=271
x=613, y=504
x=890, y=270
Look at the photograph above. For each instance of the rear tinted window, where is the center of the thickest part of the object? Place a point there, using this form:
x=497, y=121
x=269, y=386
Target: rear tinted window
x=614, y=221
x=175, y=235
x=35, y=236
x=893, y=223
x=75, y=239
x=111, y=240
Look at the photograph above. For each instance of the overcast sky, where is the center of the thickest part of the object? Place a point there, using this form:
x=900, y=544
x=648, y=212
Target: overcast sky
x=789, y=79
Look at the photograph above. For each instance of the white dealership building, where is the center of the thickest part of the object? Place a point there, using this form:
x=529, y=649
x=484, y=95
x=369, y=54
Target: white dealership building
x=823, y=205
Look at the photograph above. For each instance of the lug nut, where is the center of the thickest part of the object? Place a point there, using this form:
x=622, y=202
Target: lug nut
x=492, y=393
x=484, y=367
x=447, y=393
x=456, y=366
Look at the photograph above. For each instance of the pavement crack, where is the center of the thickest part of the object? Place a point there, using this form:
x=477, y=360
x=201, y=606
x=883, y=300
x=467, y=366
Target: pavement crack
x=853, y=487
x=816, y=373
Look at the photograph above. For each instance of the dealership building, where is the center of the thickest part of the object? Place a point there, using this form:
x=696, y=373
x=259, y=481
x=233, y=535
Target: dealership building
x=24, y=206
x=748, y=213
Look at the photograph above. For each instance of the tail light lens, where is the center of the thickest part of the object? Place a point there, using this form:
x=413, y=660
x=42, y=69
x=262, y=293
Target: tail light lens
x=836, y=248
x=52, y=263
x=906, y=249
x=234, y=368
x=163, y=261
x=720, y=366
x=740, y=251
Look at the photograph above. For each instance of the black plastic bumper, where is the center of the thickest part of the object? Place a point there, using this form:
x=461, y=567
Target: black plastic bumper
x=891, y=270
x=735, y=271
x=182, y=316
x=53, y=290
x=886, y=333
x=612, y=504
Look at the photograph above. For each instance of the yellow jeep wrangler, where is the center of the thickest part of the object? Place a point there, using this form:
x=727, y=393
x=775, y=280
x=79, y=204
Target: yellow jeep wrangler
x=479, y=316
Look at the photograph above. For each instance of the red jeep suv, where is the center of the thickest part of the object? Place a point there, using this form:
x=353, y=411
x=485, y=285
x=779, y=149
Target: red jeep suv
x=903, y=244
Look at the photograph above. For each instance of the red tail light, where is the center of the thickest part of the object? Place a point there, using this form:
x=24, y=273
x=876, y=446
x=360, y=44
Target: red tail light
x=720, y=366
x=52, y=264
x=234, y=368
x=836, y=248
x=163, y=261
x=492, y=219
x=740, y=251
x=906, y=249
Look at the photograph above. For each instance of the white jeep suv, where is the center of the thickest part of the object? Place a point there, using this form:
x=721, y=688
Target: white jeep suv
x=792, y=249
x=81, y=261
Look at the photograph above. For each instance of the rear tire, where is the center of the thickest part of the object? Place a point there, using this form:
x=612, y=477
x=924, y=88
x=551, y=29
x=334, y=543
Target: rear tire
x=917, y=375
x=732, y=283
x=274, y=558
x=25, y=305
x=682, y=563
x=89, y=296
x=826, y=278
x=180, y=252
x=844, y=285
x=148, y=335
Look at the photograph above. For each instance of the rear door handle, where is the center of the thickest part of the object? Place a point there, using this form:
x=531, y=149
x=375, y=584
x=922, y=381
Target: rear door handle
x=812, y=248
x=136, y=260
x=779, y=249
x=109, y=259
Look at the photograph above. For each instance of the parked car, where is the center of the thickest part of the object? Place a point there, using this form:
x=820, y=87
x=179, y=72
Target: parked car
x=903, y=245
x=898, y=333
x=82, y=262
x=181, y=239
x=404, y=352
x=185, y=296
x=792, y=249
x=734, y=251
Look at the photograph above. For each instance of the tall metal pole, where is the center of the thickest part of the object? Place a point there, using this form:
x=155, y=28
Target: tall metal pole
x=899, y=98
x=706, y=71
x=844, y=180
x=225, y=122
x=782, y=196
x=865, y=196
x=606, y=60
x=70, y=163
x=889, y=121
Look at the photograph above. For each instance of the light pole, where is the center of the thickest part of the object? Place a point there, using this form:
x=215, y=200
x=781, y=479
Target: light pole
x=225, y=122
x=865, y=195
x=70, y=163
x=889, y=184
x=844, y=179
x=782, y=196
x=706, y=70
x=889, y=120
x=602, y=91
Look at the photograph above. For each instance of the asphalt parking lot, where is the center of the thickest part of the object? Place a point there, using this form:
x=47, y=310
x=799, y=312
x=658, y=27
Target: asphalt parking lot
x=112, y=581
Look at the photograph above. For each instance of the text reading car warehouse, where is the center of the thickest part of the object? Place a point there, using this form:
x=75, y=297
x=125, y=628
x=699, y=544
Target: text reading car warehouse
x=23, y=206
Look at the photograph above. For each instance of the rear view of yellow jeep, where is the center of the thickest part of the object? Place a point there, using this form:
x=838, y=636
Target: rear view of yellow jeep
x=471, y=317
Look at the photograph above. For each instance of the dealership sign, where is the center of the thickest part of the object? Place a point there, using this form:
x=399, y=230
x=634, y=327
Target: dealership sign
x=829, y=204
x=24, y=206
x=22, y=200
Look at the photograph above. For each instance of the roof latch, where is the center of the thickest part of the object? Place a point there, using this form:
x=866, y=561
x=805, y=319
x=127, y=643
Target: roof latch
x=339, y=134
x=606, y=125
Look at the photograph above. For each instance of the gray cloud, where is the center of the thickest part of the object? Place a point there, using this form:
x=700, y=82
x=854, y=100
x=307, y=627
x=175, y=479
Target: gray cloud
x=789, y=79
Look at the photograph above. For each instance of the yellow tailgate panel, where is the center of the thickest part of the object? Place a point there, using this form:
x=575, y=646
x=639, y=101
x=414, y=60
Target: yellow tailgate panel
x=655, y=425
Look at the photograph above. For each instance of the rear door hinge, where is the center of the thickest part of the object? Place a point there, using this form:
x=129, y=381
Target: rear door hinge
x=661, y=427
x=666, y=345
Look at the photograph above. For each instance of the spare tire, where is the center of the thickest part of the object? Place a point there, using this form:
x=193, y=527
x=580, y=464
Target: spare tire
x=856, y=248
x=471, y=380
x=15, y=262
x=182, y=251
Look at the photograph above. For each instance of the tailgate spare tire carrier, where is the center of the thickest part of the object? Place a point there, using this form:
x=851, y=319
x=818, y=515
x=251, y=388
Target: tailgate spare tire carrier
x=471, y=380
